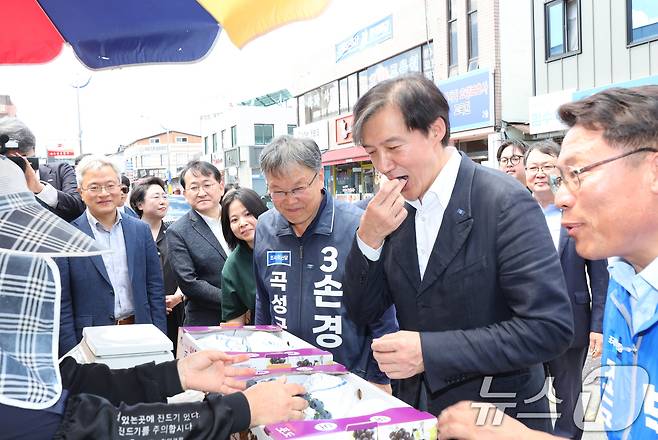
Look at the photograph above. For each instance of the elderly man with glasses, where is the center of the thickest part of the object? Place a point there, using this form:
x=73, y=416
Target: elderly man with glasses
x=299, y=256
x=607, y=189
x=121, y=287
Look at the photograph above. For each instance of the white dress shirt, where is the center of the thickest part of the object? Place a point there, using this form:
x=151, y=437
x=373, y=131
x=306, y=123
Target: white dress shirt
x=429, y=213
x=48, y=194
x=116, y=263
x=215, y=226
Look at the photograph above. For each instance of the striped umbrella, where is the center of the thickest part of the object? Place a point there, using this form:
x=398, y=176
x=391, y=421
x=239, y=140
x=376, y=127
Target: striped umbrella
x=111, y=33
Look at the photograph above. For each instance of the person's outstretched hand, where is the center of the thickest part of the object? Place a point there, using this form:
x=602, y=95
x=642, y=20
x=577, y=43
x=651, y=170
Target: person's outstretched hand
x=276, y=401
x=213, y=371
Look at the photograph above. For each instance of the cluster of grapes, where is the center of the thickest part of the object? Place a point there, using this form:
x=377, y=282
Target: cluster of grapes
x=304, y=363
x=400, y=434
x=318, y=406
x=364, y=434
x=277, y=360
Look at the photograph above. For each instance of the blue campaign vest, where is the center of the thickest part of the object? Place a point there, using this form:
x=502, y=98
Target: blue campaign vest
x=629, y=395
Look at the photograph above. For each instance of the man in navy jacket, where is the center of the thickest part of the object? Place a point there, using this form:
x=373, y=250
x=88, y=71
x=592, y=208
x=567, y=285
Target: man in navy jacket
x=464, y=254
x=299, y=257
x=122, y=287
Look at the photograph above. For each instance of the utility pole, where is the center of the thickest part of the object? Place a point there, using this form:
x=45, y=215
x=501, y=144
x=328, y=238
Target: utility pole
x=79, y=84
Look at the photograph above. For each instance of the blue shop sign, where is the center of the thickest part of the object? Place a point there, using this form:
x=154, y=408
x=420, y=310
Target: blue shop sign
x=366, y=37
x=471, y=100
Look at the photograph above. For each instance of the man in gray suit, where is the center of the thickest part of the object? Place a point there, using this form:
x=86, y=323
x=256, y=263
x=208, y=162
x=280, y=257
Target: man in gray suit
x=197, y=248
x=463, y=252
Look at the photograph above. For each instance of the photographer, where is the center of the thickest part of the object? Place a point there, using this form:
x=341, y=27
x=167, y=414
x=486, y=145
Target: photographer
x=54, y=185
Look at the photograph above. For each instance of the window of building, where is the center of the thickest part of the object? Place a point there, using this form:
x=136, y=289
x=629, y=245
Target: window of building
x=291, y=129
x=214, y=142
x=154, y=141
x=263, y=133
x=222, y=139
x=181, y=139
x=562, y=28
x=205, y=145
x=363, y=82
x=428, y=60
x=641, y=20
x=352, y=90
x=234, y=136
x=321, y=102
x=452, y=38
x=473, y=50
x=343, y=99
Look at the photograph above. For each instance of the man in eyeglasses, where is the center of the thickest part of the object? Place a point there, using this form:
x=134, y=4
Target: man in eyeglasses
x=125, y=189
x=121, y=287
x=196, y=243
x=566, y=370
x=53, y=184
x=510, y=159
x=608, y=192
x=299, y=257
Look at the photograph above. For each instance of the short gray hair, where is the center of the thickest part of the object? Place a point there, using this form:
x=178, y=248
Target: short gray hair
x=94, y=162
x=286, y=151
x=547, y=146
x=18, y=131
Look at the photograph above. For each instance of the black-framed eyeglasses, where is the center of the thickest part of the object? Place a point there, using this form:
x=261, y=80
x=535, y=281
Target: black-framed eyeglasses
x=514, y=159
x=295, y=192
x=571, y=176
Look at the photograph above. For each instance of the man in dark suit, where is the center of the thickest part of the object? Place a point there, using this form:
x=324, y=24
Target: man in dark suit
x=464, y=253
x=121, y=287
x=540, y=163
x=197, y=248
x=54, y=185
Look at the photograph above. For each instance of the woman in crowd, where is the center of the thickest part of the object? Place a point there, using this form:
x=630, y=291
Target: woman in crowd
x=149, y=200
x=241, y=208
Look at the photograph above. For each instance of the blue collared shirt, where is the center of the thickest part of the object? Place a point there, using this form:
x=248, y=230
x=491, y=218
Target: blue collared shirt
x=116, y=263
x=642, y=288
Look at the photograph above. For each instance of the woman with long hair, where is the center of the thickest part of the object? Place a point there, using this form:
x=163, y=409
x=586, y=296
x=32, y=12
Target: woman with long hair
x=241, y=208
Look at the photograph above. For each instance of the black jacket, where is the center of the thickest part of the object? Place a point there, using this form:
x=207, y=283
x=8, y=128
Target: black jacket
x=61, y=176
x=104, y=403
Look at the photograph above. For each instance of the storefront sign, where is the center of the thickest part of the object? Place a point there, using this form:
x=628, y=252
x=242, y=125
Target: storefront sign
x=344, y=129
x=471, y=100
x=543, y=108
x=543, y=111
x=373, y=34
x=406, y=62
x=61, y=153
x=318, y=131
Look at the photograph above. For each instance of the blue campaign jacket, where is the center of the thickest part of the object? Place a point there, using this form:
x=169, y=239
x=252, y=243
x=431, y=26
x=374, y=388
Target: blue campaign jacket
x=299, y=285
x=629, y=395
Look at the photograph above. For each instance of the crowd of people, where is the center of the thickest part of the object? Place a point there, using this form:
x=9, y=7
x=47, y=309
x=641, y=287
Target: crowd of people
x=455, y=287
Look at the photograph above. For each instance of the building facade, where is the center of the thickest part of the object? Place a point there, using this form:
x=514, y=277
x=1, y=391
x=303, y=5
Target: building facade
x=584, y=46
x=234, y=138
x=162, y=154
x=482, y=66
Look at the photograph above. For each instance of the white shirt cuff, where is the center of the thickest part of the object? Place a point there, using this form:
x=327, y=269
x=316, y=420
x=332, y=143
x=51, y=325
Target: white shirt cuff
x=370, y=253
x=48, y=195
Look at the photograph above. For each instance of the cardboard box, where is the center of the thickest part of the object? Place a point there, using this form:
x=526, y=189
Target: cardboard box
x=291, y=351
x=393, y=419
